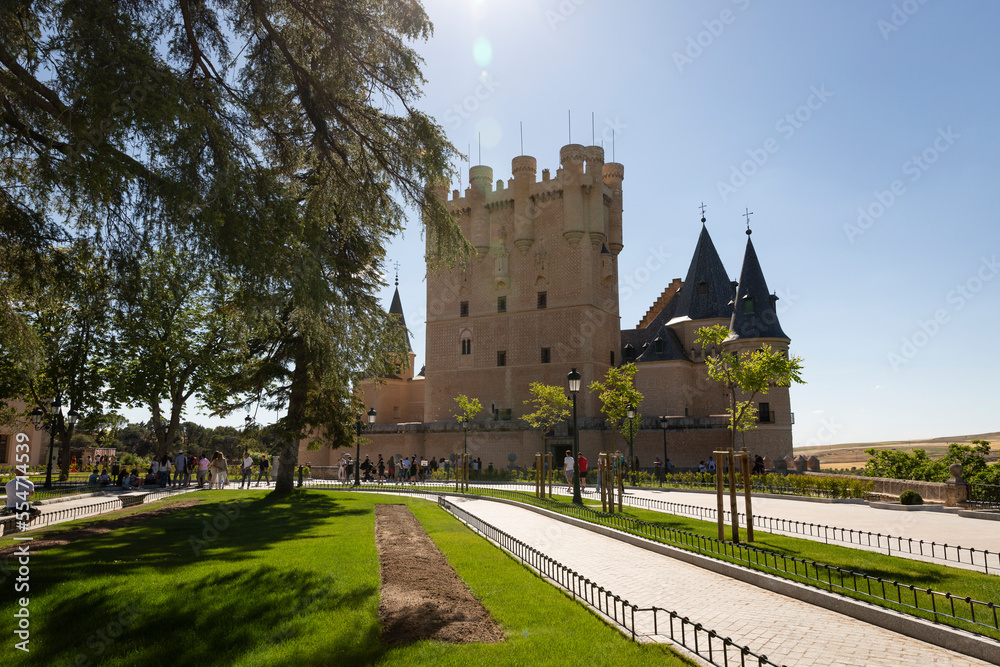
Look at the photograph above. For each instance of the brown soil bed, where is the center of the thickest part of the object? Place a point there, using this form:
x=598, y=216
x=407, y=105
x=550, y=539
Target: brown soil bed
x=99, y=528
x=422, y=597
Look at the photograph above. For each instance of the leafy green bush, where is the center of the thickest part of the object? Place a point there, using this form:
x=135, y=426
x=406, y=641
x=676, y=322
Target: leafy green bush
x=896, y=464
x=910, y=497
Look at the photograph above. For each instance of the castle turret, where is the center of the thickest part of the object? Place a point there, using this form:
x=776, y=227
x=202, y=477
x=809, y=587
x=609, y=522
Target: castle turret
x=481, y=179
x=572, y=157
x=596, y=213
x=614, y=174
x=754, y=313
x=396, y=308
x=524, y=168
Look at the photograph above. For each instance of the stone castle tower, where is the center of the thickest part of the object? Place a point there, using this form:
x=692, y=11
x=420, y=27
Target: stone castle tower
x=540, y=295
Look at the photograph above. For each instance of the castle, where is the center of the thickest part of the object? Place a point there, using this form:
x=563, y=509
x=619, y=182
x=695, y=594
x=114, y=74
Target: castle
x=539, y=298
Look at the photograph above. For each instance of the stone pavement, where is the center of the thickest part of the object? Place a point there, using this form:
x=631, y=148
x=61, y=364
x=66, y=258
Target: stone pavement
x=786, y=630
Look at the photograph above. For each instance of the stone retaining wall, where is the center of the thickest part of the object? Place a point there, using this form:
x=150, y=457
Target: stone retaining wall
x=935, y=492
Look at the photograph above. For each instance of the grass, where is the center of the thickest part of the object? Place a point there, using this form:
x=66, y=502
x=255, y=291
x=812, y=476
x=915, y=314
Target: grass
x=290, y=580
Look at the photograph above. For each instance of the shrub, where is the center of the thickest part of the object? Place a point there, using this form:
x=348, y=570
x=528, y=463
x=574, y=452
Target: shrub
x=910, y=497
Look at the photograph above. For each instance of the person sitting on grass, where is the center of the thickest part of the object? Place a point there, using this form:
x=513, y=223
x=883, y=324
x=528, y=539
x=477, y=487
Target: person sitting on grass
x=104, y=479
x=150, y=476
x=92, y=480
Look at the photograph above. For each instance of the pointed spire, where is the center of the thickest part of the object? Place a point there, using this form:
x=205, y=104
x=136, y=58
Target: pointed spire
x=396, y=308
x=707, y=290
x=754, y=314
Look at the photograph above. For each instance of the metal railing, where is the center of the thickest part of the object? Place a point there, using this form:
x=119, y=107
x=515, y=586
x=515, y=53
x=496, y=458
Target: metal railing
x=939, y=606
x=948, y=553
x=984, y=496
x=649, y=622
x=79, y=512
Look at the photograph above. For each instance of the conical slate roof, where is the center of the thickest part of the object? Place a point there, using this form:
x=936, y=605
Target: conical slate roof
x=396, y=308
x=707, y=290
x=754, y=315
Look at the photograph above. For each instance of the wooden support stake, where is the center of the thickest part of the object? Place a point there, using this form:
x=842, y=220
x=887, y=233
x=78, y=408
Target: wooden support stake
x=733, y=510
x=718, y=493
x=746, y=492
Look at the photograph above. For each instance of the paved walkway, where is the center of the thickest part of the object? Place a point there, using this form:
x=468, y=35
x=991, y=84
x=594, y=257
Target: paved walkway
x=787, y=631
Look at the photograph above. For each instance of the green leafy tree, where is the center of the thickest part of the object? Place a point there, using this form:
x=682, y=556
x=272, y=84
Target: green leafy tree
x=745, y=375
x=468, y=408
x=178, y=331
x=551, y=404
x=617, y=392
x=283, y=137
x=66, y=307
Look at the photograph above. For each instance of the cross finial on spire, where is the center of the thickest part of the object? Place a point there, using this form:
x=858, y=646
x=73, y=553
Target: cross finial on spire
x=703, y=207
x=396, y=265
x=747, y=216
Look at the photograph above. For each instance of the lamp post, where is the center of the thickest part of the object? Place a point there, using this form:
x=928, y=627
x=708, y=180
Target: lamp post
x=53, y=427
x=358, y=427
x=666, y=468
x=630, y=414
x=574, y=387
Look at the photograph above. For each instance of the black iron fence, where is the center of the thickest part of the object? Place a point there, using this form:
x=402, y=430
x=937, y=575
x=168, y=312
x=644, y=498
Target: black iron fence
x=948, y=553
x=649, y=622
x=984, y=496
x=10, y=524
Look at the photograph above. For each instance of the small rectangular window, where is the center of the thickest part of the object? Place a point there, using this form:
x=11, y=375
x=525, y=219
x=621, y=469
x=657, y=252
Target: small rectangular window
x=501, y=357
x=466, y=346
x=764, y=413
x=395, y=412
x=3, y=447
x=612, y=357
x=543, y=300
x=501, y=304
x=463, y=309
x=546, y=355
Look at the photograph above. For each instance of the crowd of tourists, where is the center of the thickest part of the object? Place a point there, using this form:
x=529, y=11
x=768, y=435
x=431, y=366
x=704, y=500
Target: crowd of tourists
x=397, y=470
x=181, y=470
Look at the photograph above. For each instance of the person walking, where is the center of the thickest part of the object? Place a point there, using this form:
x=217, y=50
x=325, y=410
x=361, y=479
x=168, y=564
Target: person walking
x=218, y=468
x=380, y=469
x=247, y=470
x=180, y=469
x=342, y=469
x=262, y=472
x=568, y=468
x=203, y=464
x=582, y=462
x=391, y=470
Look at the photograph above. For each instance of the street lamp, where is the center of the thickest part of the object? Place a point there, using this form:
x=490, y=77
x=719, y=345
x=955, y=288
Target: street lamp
x=630, y=414
x=54, y=427
x=666, y=469
x=574, y=388
x=358, y=427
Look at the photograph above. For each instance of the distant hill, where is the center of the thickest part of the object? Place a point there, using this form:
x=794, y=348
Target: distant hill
x=852, y=454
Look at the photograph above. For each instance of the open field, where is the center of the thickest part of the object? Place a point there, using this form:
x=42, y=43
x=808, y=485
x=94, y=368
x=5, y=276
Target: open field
x=852, y=454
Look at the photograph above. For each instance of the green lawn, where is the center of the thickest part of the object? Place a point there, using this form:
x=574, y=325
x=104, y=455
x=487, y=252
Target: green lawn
x=291, y=581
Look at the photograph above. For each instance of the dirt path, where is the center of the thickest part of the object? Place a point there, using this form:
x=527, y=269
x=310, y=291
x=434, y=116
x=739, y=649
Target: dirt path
x=70, y=536
x=422, y=597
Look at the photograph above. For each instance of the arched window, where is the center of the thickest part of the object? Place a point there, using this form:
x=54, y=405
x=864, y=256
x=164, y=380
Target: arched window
x=466, y=342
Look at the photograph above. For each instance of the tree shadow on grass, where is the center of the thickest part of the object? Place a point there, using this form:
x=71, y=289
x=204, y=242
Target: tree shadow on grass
x=242, y=616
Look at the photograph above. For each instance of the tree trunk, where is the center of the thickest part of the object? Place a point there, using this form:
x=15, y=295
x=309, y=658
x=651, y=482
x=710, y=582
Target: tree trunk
x=294, y=422
x=64, y=443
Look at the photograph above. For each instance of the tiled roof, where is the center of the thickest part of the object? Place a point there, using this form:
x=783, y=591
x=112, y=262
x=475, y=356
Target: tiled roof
x=707, y=291
x=754, y=314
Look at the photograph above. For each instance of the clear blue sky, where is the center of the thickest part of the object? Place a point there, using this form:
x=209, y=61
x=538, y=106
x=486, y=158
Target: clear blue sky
x=805, y=112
